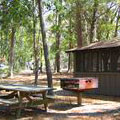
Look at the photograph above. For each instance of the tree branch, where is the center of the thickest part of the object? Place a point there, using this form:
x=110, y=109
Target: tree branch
x=111, y=6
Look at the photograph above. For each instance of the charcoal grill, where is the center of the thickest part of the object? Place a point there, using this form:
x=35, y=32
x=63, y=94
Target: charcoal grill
x=79, y=85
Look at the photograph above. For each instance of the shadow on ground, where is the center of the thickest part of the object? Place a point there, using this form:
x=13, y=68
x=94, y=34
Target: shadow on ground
x=56, y=110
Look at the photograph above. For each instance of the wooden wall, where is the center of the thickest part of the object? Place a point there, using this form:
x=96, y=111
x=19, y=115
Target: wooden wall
x=101, y=63
x=109, y=83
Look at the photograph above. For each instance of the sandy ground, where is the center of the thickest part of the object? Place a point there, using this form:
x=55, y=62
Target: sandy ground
x=64, y=106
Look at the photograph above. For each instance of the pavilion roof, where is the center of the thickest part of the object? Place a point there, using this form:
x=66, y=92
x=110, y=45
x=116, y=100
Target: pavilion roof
x=115, y=42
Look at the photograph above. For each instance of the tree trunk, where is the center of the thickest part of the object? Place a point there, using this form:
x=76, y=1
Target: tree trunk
x=35, y=46
x=55, y=68
x=12, y=43
x=41, y=63
x=111, y=22
x=69, y=62
x=58, y=37
x=57, y=57
x=94, y=22
x=70, y=46
x=86, y=33
x=117, y=23
x=78, y=24
x=45, y=47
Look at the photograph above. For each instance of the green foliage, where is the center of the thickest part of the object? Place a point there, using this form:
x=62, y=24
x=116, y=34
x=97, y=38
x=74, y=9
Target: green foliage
x=19, y=13
x=4, y=71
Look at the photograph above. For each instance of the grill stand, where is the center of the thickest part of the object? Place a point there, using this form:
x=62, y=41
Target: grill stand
x=78, y=95
x=79, y=98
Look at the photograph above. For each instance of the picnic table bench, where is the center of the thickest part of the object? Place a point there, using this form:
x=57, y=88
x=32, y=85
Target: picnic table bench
x=20, y=96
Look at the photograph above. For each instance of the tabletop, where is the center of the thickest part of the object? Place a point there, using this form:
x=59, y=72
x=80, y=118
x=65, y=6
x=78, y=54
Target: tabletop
x=24, y=88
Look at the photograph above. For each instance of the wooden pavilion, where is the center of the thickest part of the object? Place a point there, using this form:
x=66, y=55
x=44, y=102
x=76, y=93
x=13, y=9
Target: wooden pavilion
x=102, y=60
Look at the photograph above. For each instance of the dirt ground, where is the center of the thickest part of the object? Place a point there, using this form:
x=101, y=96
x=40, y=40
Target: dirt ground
x=64, y=107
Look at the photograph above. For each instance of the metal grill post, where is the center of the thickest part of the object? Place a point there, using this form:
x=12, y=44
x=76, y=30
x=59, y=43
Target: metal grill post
x=79, y=98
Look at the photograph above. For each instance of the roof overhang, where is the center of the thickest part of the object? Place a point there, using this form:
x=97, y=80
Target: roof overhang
x=98, y=45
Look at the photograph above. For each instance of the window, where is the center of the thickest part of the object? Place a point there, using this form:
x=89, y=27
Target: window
x=98, y=61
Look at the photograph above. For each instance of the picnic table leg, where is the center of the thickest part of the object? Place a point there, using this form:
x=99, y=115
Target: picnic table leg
x=44, y=98
x=79, y=98
x=20, y=104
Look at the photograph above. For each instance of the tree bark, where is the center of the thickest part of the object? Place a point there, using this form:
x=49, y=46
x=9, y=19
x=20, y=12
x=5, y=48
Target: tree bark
x=69, y=60
x=57, y=57
x=86, y=32
x=58, y=37
x=41, y=63
x=70, y=46
x=12, y=43
x=78, y=24
x=45, y=47
x=35, y=46
x=94, y=22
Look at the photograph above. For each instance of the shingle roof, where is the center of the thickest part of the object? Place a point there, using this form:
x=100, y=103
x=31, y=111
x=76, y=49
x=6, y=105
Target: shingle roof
x=98, y=45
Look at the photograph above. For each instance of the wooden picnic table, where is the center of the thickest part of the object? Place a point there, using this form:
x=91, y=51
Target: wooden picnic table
x=20, y=96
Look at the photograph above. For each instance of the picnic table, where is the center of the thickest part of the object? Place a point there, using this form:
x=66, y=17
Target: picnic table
x=20, y=96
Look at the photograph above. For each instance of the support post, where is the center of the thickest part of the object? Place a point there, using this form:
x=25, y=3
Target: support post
x=79, y=98
x=20, y=104
x=44, y=98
